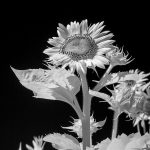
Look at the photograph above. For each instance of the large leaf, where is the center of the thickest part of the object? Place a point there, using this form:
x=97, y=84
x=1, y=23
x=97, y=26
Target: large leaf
x=64, y=141
x=54, y=84
x=124, y=142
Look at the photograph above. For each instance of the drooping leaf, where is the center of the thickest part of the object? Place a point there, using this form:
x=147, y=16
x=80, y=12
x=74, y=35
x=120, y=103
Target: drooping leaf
x=64, y=141
x=54, y=84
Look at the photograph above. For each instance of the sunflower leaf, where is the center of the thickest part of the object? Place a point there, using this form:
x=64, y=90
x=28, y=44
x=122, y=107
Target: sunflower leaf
x=64, y=141
x=54, y=84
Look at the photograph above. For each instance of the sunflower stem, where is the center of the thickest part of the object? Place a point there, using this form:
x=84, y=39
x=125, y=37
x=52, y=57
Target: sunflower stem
x=86, y=111
x=115, y=125
x=144, y=127
x=149, y=126
x=99, y=85
x=138, y=128
x=78, y=108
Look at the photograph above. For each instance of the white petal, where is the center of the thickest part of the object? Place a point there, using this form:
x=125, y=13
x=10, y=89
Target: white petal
x=63, y=28
x=101, y=58
x=98, y=63
x=88, y=62
x=60, y=35
x=103, y=50
x=96, y=32
x=75, y=28
x=50, y=51
x=105, y=43
x=63, y=33
x=106, y=37
x=94, y=27
x=84, y=27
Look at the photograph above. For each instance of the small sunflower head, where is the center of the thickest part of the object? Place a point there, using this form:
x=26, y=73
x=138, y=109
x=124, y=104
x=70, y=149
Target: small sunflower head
x=77, y=126
x=139, y=109
x=79, y=46
x=118, y=57
x=121, y=99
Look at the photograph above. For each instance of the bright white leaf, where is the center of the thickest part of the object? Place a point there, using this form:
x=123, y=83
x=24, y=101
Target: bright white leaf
x=124, y=142
x=138, y=142
x=64, y=141
x=54, y=84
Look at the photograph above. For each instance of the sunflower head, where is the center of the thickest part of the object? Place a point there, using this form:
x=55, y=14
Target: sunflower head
x=77, y=126
x=118, y=57
x=80, y=46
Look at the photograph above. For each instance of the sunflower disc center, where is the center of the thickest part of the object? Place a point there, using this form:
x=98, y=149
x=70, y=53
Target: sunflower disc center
x=79, y=47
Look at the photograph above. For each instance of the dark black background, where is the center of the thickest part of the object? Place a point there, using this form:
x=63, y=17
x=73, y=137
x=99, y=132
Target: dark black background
x=27, y=30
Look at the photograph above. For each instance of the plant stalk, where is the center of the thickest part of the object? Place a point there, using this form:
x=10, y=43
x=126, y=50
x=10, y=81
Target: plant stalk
x=86, y=112
x=138, y=128
x=144, y=126
x=115, y=125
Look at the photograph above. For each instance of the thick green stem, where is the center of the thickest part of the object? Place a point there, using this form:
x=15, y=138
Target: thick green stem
x=144, y=126
x=115, y=125
x=86, y=111
x=138, y=128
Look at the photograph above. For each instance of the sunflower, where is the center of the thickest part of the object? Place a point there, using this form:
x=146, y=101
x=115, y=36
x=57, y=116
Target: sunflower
x=80, y=46
x=136, y=80
x=118, y=57
x=77, y=126
x=133, y=78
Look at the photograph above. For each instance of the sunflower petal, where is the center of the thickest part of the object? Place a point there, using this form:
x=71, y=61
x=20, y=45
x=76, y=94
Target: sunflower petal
x=106, y=37
x=64, y=29
x=97, y=32
x=51, y=51
x=94, y=27
x=83, y=27
x=105, y=43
